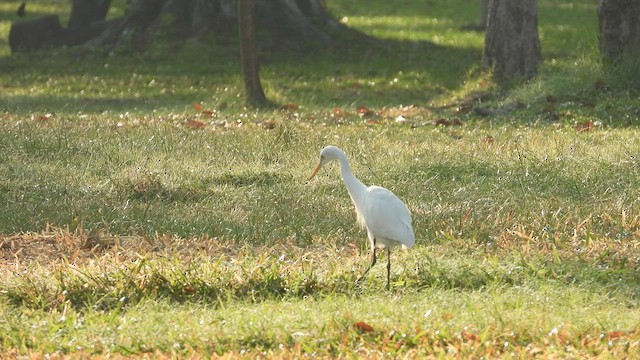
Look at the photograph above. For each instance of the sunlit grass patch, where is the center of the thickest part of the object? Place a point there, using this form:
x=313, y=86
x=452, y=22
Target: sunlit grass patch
x=157, y=174
x=207, y=296
x=418, y=28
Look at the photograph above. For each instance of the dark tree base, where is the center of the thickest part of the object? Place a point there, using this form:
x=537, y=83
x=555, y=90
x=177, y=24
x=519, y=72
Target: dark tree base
x=41, y=33
x=295, y=24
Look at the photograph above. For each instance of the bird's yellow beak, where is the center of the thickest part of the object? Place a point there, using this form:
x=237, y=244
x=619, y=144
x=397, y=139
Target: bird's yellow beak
x=315, y=171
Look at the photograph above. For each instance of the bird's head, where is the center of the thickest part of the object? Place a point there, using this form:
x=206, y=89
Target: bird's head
x=327, y=154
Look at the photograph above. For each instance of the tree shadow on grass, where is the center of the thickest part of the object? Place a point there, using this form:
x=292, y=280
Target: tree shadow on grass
x=34, y=104
x=386, y=73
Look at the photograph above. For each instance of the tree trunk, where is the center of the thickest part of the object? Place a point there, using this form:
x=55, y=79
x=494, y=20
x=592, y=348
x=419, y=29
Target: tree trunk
x=87, y=20
x=512, y=45
x=31, y=35
x=619, y=29
x=253, y=89
x=85, y=12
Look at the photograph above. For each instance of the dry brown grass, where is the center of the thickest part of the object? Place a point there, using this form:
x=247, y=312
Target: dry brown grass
x=56, y=246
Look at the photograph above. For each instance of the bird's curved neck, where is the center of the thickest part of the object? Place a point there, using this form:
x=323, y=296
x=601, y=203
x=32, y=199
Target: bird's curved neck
x=355, y=187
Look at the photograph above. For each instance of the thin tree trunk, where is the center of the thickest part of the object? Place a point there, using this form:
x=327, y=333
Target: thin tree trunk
x=253, y=88
x=484, y=13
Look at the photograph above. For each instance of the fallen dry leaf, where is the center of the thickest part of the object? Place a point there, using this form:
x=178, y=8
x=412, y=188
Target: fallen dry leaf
x=189, y=290
x=585, y=126
x=615, y=334
x=289, y=107
x=469, y=336
x=364, y=111
x=196, y=106
x=45, y=117
x=195, y=124
x=487, y=140
x=363, y=326
x=449, y=122
x=337, y=112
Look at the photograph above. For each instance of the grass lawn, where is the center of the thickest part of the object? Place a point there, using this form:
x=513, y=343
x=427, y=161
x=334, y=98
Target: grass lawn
x=146, y=212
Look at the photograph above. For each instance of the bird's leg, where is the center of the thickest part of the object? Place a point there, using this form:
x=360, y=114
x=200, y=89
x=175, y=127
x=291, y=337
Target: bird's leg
x=373, y=262
x=388, y=266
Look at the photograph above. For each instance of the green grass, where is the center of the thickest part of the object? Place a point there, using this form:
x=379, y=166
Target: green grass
x=161, y=177
x=286, y=299
x=135, y=223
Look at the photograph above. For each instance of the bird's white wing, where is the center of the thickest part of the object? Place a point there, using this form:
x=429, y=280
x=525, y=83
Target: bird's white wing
x=387, y=217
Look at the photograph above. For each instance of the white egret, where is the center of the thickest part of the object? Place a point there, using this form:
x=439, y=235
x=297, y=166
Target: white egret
x=379, y=211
